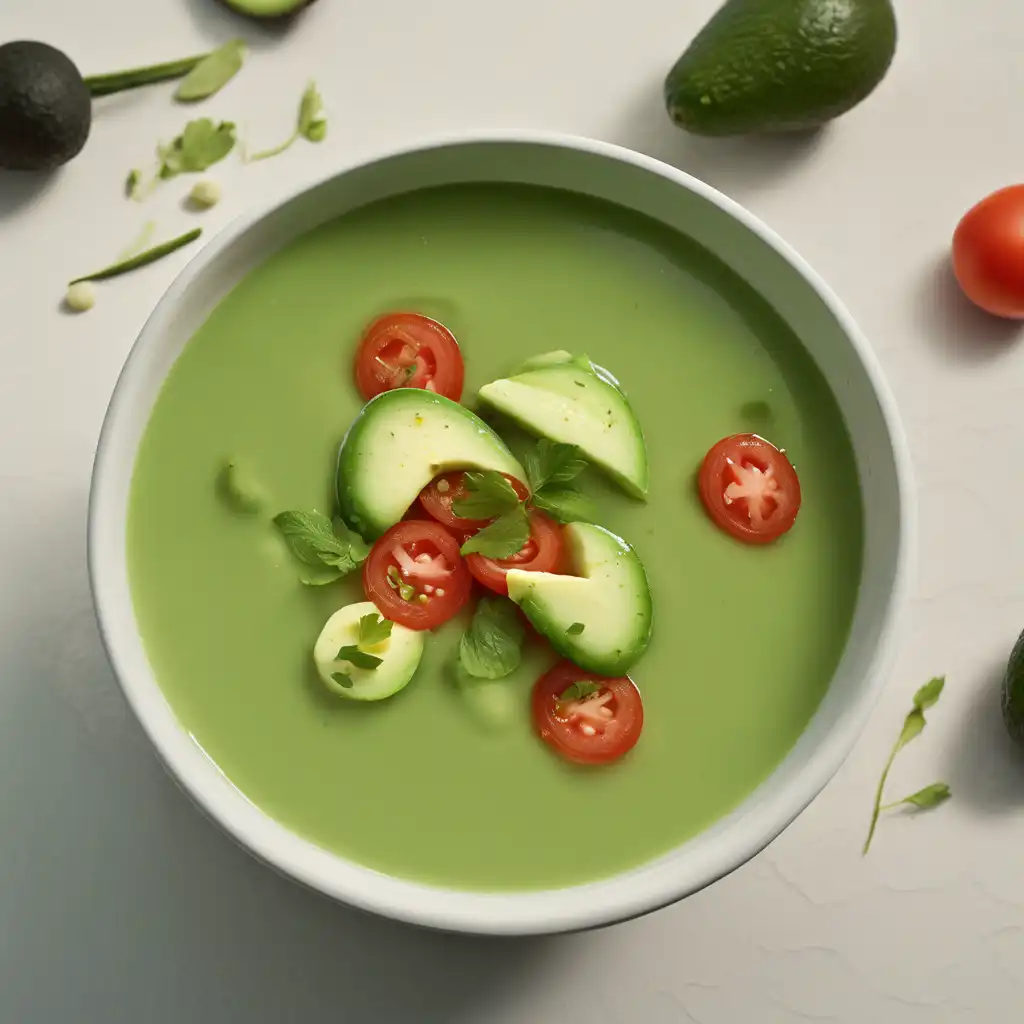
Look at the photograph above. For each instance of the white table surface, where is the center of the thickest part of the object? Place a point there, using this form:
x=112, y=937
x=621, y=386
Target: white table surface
x=119, y=902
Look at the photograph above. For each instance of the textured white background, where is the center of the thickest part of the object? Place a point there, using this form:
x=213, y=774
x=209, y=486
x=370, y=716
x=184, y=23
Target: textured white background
x=118, y=902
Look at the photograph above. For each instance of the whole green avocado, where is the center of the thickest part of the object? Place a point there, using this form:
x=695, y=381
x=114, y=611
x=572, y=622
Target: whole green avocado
x=780, y=65
x=1013, y=692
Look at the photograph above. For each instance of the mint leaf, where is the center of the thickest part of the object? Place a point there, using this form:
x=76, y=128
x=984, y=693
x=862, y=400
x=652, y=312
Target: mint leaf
x=356, y=657
x=565, y=504
x=503, y=538
x=931, y=796
x=575, y=629
x=487, y=494
x=374, y=629
x=312, y=121
x=913, y=725
x=492, y=646
x=238, y=491
x=212, y=73
x=342, y=680
x=198, y=147
x=331, y=549
x=552, y=462
x=578, y=690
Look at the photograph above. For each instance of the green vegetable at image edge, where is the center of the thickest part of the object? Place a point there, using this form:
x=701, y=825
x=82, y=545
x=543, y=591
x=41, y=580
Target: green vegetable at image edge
x=1013, y=692
x=780, y=65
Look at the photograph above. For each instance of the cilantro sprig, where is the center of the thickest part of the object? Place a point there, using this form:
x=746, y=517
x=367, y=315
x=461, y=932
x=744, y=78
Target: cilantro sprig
x=913, y=725
x=311, y=124
x=492, y=646
x=327, y=550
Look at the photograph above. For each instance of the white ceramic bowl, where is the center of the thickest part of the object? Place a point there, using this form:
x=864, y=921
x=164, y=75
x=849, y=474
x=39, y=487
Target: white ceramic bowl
x=755, y=253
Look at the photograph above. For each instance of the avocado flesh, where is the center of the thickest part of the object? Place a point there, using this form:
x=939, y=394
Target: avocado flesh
x=45, y=107
x=785, y=65
x=266, y=8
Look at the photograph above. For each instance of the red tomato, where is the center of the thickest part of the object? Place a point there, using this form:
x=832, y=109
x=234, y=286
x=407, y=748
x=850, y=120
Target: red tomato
x=541, y=553
x=596, y=729
x=416, y=576
x=437, y=498
x=988, y=253
x=407, y=350
x=750, y=488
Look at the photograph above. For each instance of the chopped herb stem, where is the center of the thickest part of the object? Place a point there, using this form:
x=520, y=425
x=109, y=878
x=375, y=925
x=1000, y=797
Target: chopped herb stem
x=266, y=154
x=143, y=258
x=133, y=78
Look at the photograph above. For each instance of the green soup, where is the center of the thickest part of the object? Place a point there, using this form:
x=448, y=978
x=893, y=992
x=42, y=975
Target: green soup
x=745, y=638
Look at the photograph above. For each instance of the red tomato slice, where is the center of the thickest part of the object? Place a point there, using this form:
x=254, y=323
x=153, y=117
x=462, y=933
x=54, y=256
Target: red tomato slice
x=416, y=576
x=541, y=553
x=749, y=488
x=407, y=350
x=439, y=495
x=594, y=730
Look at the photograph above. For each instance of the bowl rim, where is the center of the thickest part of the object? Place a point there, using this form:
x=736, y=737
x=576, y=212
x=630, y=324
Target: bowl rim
x=501, y=913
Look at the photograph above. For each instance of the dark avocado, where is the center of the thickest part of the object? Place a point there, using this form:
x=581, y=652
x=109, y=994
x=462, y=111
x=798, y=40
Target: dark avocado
x=1013, y=692
x=780, y=65
x=45, y=107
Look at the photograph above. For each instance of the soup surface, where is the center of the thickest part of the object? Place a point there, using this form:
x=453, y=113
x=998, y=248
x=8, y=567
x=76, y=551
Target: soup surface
x=745, y=638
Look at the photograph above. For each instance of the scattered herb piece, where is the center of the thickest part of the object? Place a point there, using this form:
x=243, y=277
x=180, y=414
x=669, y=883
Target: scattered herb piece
x=131, y=184
x=237, y=491
x=80, y=297
x=212, y=73
x=143, y=258
x=578, y=690
x=342, y=679
x=913, y=725
x=332, y=549
x=359, y=658
x=492, y=646
x=205, y=193
x=502, y=538
x=551, y=468
x=311, y=124
x=374, y=629
x=200, y=145
x=575, y=629
x=487, y=495
x=132, y=78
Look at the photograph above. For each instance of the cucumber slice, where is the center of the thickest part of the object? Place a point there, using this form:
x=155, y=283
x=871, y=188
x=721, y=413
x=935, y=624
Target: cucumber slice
x=400, y=656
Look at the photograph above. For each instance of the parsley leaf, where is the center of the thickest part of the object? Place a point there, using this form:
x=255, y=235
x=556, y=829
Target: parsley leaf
x=199, y=146
x=578, y=690
x=356, y=657
x=552, y=462
x=342, y=679
x=502, y=538
x=486, y=495
x=575, y=629
x=565, y=504
x=374, y=629
x=212, y=73
x=237, y=490
x=913, y=725
x=331, y=549
x=492, y=646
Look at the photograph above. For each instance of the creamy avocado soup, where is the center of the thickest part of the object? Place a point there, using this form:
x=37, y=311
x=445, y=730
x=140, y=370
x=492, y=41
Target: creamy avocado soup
x=638, y=522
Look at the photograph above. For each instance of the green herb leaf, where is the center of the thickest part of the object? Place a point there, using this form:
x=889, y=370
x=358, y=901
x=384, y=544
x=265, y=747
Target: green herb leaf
x=931, y=796
x=198, y=147
x=565, y=504
x=143, y=258
x=552, y=462
x=492, y=646
x=131, y=184
x=212, y=73
x=237, y=490
x=579, y=690
x=359, y=658
x=342, y=680
x=329, y=548
x=575, y=629
x=312, y=120
x=374, y=629
x=913, y=725
x=487, y=495
x=502, y=538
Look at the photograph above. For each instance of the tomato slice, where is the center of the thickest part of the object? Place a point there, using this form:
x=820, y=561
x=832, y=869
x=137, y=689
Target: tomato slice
x=594, y=729
x=749, y=488
x=407, y=350
x=541, y=553
x=416, y=576
x=439, y=495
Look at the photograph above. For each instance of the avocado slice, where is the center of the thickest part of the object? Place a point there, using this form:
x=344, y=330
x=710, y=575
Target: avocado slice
x=575, y=402
x=783, y=65
x=266, y=8
x=398, y=443
x=599, y=619
x=45, y=107
x=1013, y=692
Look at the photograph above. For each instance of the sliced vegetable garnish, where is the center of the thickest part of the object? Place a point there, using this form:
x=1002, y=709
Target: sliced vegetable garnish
x=416, y=576
x=749, y=488
x=327, y=550
x=541, y=552
x=587, y=718
x=407, y=350
x=492, y=646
